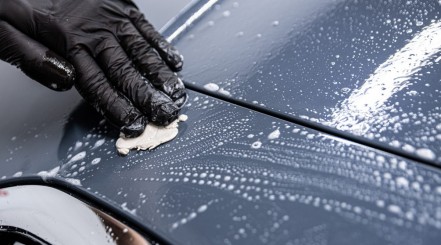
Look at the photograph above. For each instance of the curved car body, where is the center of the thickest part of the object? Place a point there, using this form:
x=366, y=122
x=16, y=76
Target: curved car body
x=258, y=161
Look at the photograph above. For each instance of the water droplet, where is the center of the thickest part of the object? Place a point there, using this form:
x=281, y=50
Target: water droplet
x=96, y=161
x=256, y=145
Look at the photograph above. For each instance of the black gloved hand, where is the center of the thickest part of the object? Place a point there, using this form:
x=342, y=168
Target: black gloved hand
x=105, y=48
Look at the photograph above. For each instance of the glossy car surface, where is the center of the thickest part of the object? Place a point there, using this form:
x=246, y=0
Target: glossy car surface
x=233, y=175
x=368, y=69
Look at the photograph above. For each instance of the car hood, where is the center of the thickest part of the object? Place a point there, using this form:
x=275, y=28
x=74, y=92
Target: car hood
x=232, y=175
x=367, y=70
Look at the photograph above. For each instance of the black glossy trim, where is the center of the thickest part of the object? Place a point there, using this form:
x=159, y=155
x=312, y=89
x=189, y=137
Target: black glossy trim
x=312, y=125
x=90, y=199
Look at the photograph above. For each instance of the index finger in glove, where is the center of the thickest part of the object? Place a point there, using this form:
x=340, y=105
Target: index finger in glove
x=93, y=85
x=148, y=61
x=167, y=52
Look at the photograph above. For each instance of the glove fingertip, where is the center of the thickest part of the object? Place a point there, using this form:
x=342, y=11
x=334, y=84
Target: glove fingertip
x=166, y=114
x=178, y=62
x=66, y=78
x=171, y=56
x=181, y=101
x=177, y=67
x=50, y=70
x=135, y=128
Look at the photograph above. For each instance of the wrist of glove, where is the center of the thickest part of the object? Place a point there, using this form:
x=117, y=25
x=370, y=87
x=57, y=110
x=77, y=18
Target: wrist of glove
x=105, y=48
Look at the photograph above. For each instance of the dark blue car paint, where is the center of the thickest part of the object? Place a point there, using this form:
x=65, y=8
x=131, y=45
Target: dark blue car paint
x=216, y=184
x=315, y=62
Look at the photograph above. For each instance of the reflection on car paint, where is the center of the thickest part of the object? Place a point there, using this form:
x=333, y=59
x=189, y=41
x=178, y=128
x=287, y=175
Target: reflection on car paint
x=368, y=68
x=356, y=113
x=192, y=19
x=223, y=181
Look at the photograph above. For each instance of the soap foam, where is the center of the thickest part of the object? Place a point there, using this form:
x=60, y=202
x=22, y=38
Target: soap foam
x=211, y=87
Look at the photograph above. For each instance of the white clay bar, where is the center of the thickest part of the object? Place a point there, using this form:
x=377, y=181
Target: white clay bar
x=152, y=137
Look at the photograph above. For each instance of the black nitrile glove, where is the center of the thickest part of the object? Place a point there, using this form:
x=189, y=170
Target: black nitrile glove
x=105, y=48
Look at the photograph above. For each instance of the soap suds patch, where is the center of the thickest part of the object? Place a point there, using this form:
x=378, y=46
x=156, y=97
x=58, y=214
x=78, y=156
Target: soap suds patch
x=274, y=135
x=256, y=145
x=211, y=87
x=426, y=153
x=152, y=137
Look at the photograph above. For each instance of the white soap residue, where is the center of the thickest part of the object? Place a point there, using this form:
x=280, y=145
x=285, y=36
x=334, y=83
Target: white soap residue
x=96, y=161
x=395, y=143
x=226, y=13
x=408, y=148
x=50, y=173
x=402, y=182
x=78, y=145
x=99, y=143
x=78, y=157
x=274, y=135
x=202, y=208
x=380, y=203
x=76, y=182
x=18, y=174
x=211, y=87
x=224, y=92
x=426, y=153
x=394, y=209
x=125, y=208
x=152, y=137
x=256, y=145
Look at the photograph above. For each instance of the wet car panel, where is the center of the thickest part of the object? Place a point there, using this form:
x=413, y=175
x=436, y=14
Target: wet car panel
x=232, y=176
x=33, y=121
x=367, y=68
